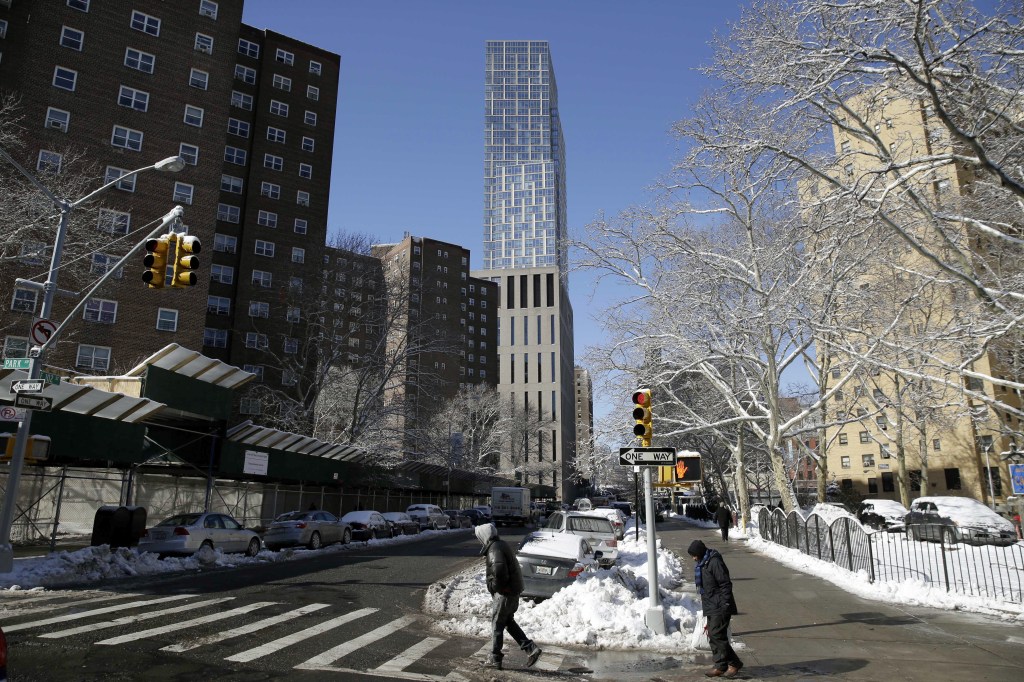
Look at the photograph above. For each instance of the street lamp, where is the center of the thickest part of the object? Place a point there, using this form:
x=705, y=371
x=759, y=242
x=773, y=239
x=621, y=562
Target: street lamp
x=171, y=164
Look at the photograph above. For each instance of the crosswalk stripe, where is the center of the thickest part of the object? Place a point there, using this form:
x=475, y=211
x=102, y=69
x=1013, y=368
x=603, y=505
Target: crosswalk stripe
x=278, y=644
x=328, y=657
x=14, y=607
x=244, y=630
x=127, y=620
x=94, y=612
x=410, y=655
x=143, y=634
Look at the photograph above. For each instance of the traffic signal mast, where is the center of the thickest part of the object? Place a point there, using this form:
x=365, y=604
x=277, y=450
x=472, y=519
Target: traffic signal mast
x=643, y=429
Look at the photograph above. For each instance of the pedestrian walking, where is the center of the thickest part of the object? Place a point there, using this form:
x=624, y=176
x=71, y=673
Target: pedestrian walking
x=505, y=583
x=724, y=518
x=711, y=576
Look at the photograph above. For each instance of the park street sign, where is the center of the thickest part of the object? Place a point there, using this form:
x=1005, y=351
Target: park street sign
x=27, y=387
x=33, y=402
x=17, y=363
x=647, y=456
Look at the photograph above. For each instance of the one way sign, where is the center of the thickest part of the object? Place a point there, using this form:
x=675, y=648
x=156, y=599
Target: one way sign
x=27, y=387
x=647, y=456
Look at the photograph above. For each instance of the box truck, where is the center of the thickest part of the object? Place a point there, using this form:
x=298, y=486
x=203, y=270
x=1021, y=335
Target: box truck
x=510, y=506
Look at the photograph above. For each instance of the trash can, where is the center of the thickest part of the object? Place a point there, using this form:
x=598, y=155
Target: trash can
x=118, y=526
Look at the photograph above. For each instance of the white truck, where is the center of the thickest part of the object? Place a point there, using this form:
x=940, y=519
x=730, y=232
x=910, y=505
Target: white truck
x=510, y=506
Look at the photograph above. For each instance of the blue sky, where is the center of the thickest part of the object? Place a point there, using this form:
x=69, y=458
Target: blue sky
x=408, y=152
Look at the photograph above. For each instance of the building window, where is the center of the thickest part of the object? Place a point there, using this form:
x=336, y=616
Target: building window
x=270, y=190
x=873, y=486
x=308, y=144
x=997, y=481
x=145, y=23
x=225, y=243
x=266, y=219
x=140, y=61
x=278, y=108
x=215, y=338
x=844, y=462
x=64, y=79
x=223, y=274
x=167, y=320
x=273, y=162
x=264, y=248
x=193, y=116
x=284, y=57
x=952, y=479
x=99, y=310
x=291, y=346
x=254, y=340
x=241, y=100
x=126, y=138
x=881, y=422
x=259, y=309
x=203, y=43
x=310, y=118
x=282, y=83
x=276, y=135
x=49, y=162
x=238, y=128
x=300, y=226
x=133, y=99
x=15, y=347
x=865, y=437
x=183, y=192
x=248, y=48
x=888, y=485
x=113, y=222
x=289, y=377
x=218, y=305
x=936, y=444
x=235, y=155
x=72, y=38
x=189, y=153
x=298, y=255
x=228, y=213
x=315, y=68
x=245, y=74
x=80, y=5
x=868, y=461
x=93, y=357
x=24, y=301
x=313, y=93
x=58, y=119
x=848, y=169
x=262, y=278
x=229, y=183
x=208, y=8
x=302, y=198
x=306, y=171
x=198, y=79
x=249, y=406
x=843, y=439
x=256, y=370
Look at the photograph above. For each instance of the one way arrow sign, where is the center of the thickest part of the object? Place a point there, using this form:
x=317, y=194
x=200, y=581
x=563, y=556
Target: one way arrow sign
x=647, y=456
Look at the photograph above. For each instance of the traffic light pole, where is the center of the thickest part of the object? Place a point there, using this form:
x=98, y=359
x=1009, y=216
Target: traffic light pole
x=655, y=619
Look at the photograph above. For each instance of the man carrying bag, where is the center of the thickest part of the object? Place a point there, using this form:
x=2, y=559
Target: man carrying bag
x=711, y=576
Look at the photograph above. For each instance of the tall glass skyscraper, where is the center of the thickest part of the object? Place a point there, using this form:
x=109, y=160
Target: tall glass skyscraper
x=524, y=159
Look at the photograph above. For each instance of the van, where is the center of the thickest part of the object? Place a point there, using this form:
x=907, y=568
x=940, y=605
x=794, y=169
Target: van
x=582, y=504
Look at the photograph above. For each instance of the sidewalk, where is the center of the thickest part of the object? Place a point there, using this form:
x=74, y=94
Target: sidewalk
x=794, y=626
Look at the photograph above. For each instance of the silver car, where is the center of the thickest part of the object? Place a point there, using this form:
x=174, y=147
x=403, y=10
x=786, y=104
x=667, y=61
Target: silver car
x=550, y=561
x=314, y=529
x=185, y=534
x=429, y=516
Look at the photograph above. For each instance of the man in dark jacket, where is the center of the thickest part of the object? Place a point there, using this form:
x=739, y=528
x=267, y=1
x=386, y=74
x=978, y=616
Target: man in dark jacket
x=711, y=577
x=724, y=518
x=505, y=583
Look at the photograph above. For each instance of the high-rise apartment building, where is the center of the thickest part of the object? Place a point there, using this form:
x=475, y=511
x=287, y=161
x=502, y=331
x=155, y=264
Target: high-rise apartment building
x=251, y=112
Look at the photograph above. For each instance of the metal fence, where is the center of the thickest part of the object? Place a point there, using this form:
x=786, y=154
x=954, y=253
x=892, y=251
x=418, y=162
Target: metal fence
x=983, y=571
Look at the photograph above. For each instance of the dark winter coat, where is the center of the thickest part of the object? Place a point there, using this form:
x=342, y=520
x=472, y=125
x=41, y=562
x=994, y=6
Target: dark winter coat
x=724, y=517
x=716, y=586
x=503, y=573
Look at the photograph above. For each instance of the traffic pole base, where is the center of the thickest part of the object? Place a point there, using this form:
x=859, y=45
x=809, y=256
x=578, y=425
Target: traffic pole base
x=655, y=620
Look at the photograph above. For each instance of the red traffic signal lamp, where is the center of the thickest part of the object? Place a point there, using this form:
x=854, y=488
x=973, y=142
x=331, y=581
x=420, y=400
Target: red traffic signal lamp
x=186, y=262
x=156, y=261
x=643, y=428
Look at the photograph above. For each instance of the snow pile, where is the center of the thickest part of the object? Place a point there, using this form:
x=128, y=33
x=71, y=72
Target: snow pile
x=603, y=608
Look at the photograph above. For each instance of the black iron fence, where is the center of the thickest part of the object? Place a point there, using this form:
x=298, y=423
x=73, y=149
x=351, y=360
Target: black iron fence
x=978, y=570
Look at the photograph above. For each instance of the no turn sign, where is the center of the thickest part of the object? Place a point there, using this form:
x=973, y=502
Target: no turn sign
x=42, y=330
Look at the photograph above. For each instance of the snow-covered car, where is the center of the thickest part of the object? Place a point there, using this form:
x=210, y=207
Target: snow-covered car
x=429, y=516
x=957, y=519
x=884, y=515
x=598, y=531
x=368, y=525
x=613, y=515
x=550, y=561
x=184, y=534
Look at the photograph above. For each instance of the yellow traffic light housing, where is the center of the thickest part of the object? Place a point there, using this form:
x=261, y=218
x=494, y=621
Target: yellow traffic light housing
x=186, y=262
x=643, y=428
x=155, y=261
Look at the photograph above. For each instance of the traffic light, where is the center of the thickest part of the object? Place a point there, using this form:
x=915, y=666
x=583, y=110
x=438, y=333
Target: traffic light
x=642, y=414
x=156, y=260
x=185, y=262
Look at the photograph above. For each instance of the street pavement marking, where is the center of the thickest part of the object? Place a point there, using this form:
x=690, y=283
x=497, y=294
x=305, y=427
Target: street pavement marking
x=14, y=607
x=127, y=620
x=94, y=612
x=244, y=630
x=324, y=660
x=143, y=634
x=410, y=655
x=301, y=635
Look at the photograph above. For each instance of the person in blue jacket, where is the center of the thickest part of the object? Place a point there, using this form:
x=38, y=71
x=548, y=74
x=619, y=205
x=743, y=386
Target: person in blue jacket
x=711, y=576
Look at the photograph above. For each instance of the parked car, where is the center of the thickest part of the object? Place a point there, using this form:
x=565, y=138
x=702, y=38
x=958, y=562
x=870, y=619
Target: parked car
x=957, y=519
x=485, y=511
x=625, y=507
x=597, y=530
x=613, y=515
x=884, y=515
x=550, y=561
x=429, y=516
x=401, y=523
x=582, y=504
x=458, y=519
x=368, y=525
x=475, y=516
x=314, y=529
x=184, y=534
